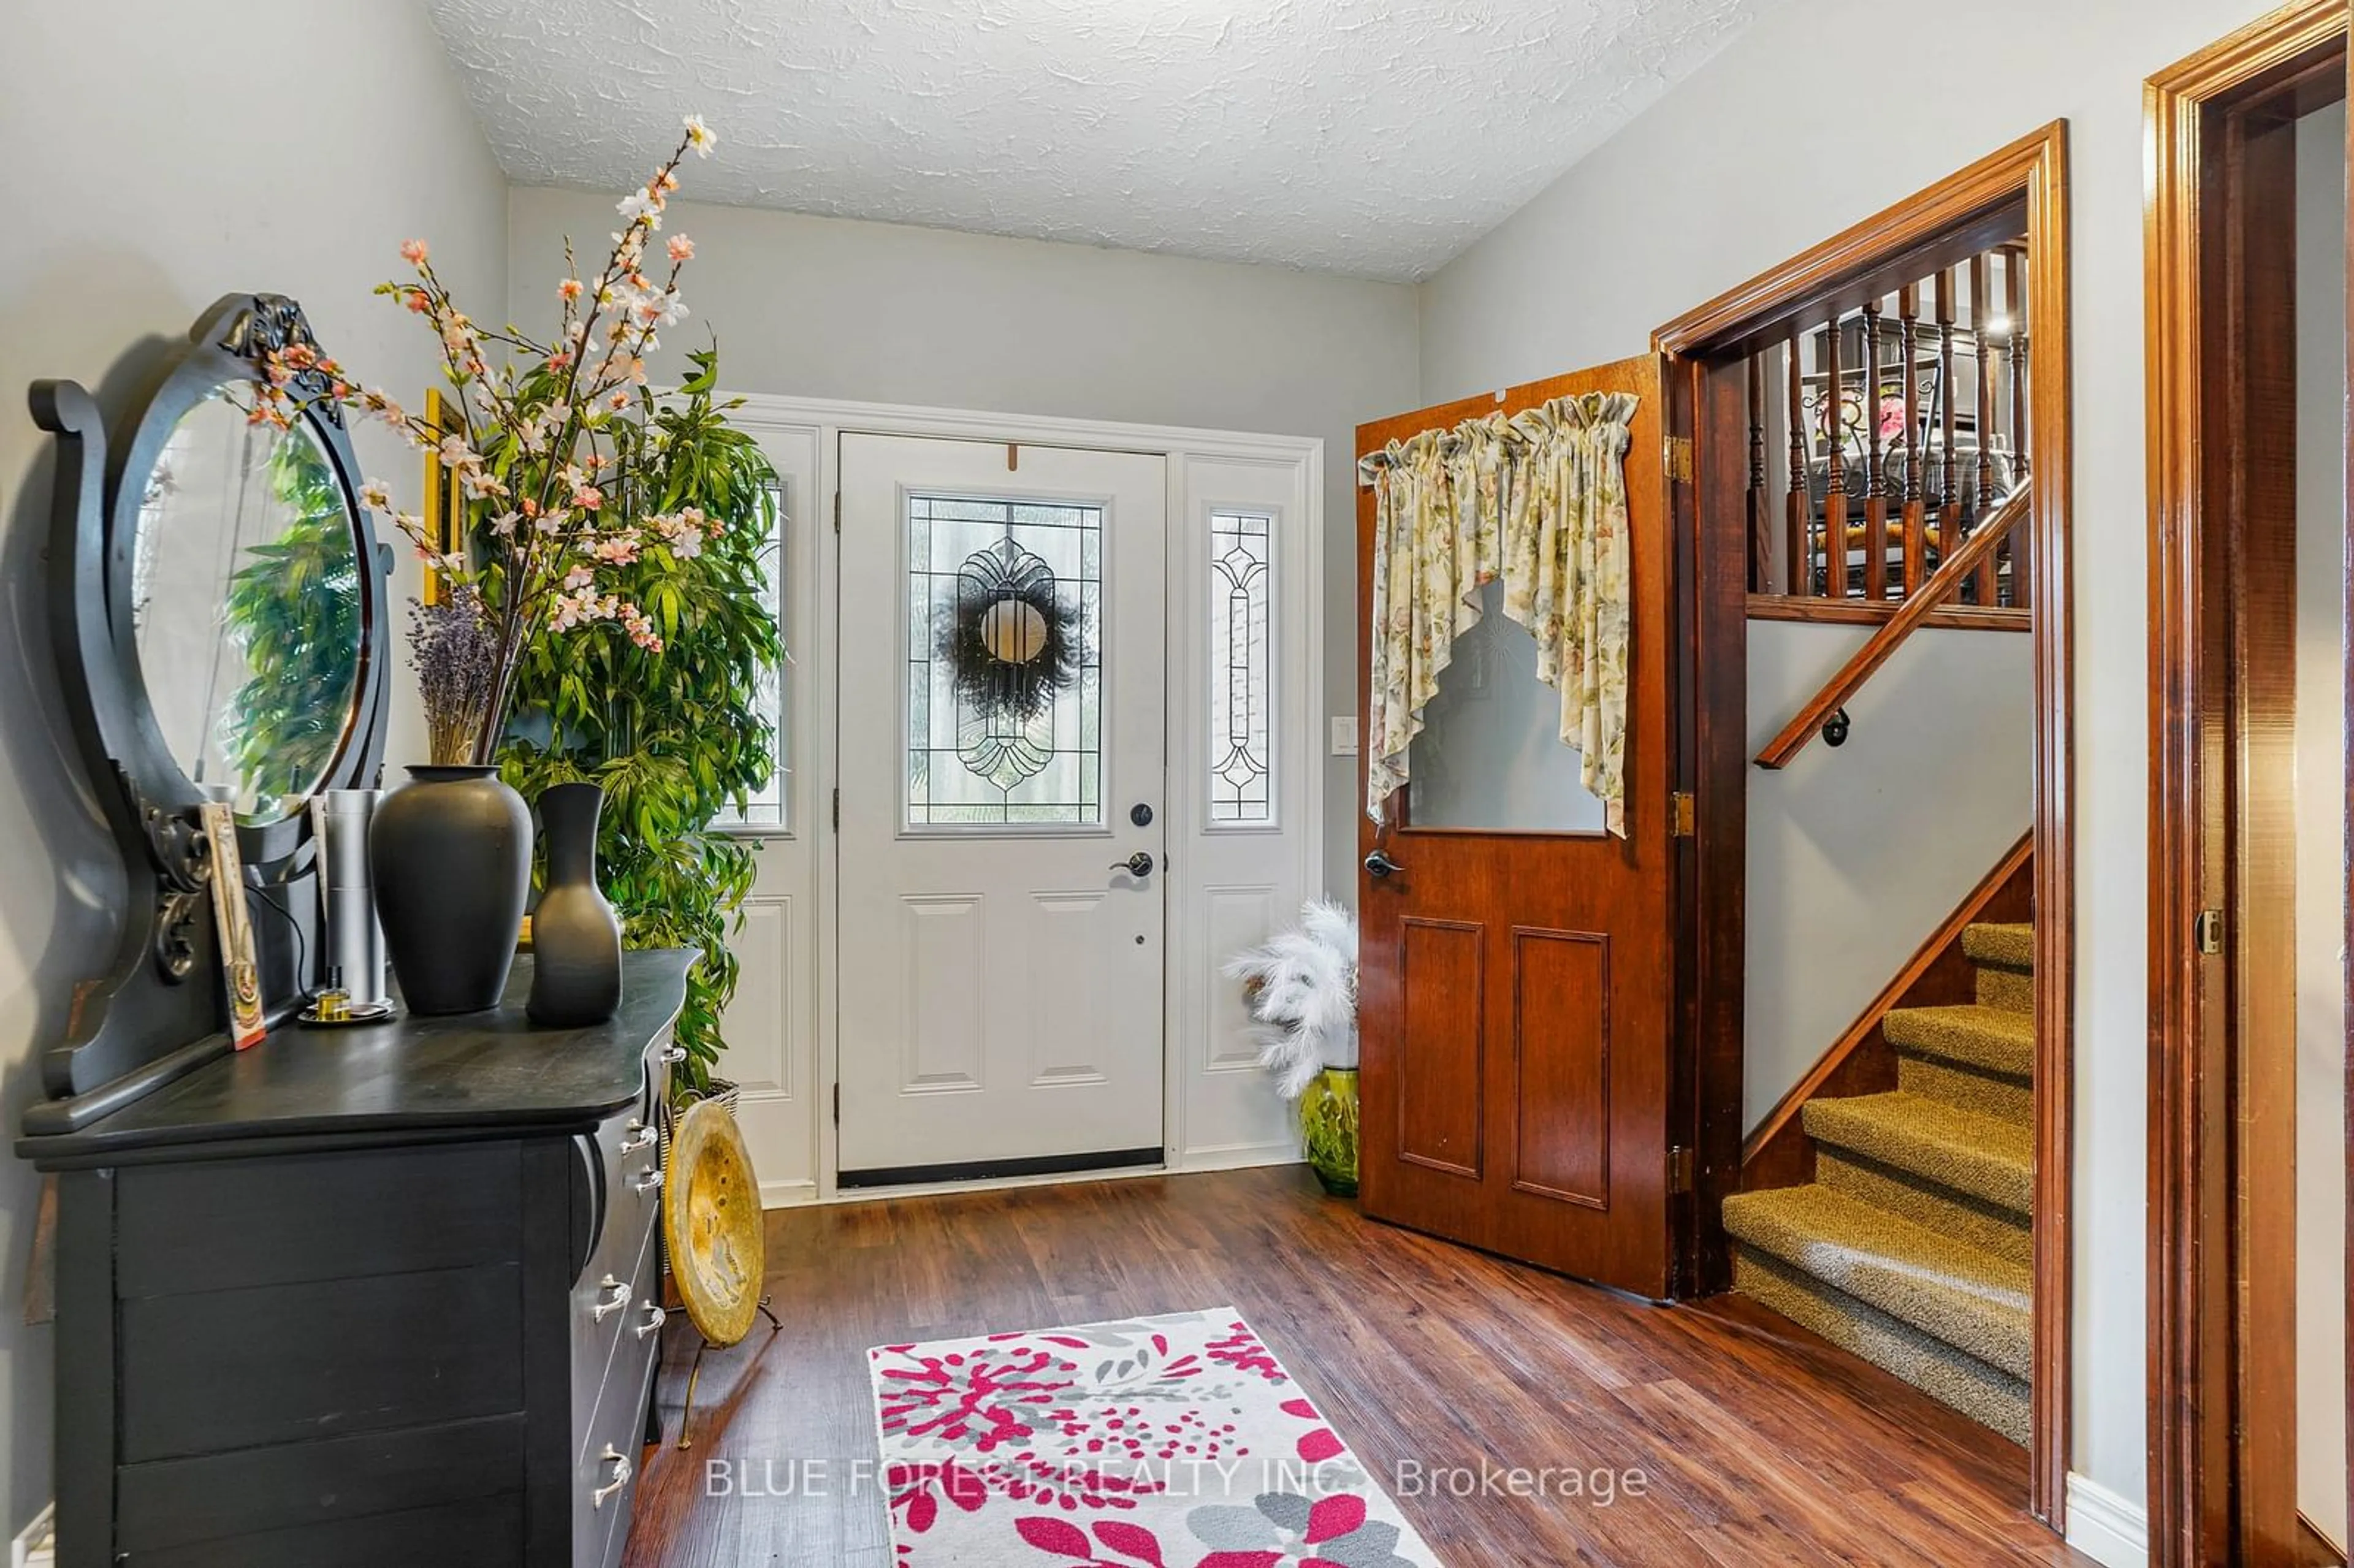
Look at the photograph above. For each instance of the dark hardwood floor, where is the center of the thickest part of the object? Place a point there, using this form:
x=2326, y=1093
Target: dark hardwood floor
x=1758, y=1442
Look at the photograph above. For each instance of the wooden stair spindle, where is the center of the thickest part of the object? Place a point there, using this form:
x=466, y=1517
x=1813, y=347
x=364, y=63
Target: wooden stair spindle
x=1983, y=365
x=1908, y=307
x=1949, y=474
x=1761, y=542
x=1875, y=488
x=1835, y=488
x=2014, y=271
x=1795, y=551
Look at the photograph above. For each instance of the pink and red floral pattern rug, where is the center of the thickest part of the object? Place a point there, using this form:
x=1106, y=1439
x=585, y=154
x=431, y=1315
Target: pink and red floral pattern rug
x=1172, y=1442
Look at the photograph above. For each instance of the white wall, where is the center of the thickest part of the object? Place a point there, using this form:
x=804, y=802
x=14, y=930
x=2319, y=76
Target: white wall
x=1859, y=851
x=162, y=153
x=2321, y=819
x=1751, y=161
x=833, y=308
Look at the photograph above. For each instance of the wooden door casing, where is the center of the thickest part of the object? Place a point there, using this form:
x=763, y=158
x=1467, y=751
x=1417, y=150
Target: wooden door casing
x=1519, y=1020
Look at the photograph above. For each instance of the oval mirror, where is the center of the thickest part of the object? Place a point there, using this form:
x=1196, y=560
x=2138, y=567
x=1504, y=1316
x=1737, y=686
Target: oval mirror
x=248, y=606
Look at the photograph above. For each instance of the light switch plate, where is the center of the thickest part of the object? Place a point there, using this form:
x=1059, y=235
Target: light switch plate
x=1344, y=734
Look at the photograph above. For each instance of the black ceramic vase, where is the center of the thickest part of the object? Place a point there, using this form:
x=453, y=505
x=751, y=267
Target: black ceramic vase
x=575, y=938
x=449, y=853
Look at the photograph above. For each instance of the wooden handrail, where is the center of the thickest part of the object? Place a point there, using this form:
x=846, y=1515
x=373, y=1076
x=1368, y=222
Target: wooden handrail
x=1952, y=572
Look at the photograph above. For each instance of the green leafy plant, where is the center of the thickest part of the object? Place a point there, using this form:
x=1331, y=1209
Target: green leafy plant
x=676, y=734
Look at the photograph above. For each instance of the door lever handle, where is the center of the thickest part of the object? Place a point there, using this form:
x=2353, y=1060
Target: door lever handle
x=1381, y=864
x=1138, y=866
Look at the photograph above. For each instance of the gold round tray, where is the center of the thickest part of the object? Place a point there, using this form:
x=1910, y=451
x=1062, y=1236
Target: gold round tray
x=711, y=1223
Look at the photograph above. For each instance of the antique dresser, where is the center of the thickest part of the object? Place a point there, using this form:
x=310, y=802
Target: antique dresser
x=377, y=1296
x=369, y=1296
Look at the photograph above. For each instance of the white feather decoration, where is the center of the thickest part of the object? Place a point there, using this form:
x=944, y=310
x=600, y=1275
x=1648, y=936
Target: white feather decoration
x=1304, y=994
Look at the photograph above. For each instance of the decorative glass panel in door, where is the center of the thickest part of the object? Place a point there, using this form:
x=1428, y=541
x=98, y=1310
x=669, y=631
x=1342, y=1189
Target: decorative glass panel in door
x=1005, y=671
x=1241, y=680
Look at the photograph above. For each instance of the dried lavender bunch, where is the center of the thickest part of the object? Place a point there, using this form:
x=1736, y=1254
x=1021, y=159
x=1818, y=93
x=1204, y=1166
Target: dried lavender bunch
x=454, y=649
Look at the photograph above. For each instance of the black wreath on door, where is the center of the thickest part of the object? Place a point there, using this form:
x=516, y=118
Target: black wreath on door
x=1011, y=638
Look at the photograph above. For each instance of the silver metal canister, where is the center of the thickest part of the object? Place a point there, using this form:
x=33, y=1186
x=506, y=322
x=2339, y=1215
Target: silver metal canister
x=354, y=940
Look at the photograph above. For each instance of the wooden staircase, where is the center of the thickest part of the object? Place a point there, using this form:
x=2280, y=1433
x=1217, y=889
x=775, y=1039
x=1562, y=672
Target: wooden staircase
x=1912, y=1246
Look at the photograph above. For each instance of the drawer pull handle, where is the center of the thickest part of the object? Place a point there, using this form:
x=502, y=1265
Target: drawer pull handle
x=672, y=1055
x=620, y=1464
x=649, y=1179
x=638, y=1136
x=617, y=1296
x=656, y=1318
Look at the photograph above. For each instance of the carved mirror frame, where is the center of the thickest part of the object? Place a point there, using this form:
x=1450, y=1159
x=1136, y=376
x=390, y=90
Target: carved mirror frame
x=160, y=1009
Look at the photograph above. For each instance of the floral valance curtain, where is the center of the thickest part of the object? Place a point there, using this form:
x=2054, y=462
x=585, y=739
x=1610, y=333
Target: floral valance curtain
x=1538, y=500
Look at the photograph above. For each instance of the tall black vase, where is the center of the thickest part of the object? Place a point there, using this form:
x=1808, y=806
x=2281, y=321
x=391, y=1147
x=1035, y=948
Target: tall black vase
x=449, y=854
x=575, y=938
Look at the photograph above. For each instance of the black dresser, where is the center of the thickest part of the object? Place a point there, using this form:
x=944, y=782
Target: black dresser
x=366, y=1297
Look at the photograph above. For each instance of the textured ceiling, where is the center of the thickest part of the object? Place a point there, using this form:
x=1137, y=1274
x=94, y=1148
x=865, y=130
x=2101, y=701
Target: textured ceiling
x=1372, y=137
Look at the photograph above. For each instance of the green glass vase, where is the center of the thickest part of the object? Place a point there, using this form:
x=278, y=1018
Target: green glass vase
x=1328, y=1129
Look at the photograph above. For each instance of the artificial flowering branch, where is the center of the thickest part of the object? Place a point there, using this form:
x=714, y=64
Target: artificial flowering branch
x=554, y=440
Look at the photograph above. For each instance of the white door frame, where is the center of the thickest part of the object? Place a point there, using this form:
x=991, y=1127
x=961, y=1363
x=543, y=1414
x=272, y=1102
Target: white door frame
x=1219, y=1112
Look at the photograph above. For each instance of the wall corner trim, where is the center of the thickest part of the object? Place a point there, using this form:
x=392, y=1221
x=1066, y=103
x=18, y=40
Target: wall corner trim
x=2106, y=1526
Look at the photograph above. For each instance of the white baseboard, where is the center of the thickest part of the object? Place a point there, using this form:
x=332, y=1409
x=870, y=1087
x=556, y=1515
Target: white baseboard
x=1237, y=1156
x=790, y=1195
x=787, y=1195
x=2109, y=1528
x=36, y=1545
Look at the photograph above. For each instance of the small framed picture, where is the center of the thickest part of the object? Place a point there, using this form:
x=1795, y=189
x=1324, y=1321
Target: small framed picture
x=238, y=969
x=445, y=510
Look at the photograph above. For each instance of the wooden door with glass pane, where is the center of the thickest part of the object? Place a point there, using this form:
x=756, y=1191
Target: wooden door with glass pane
x=1517, y=961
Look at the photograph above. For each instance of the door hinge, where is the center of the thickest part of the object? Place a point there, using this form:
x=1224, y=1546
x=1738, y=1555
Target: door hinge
x=837, y=1103
x=837, y=808
x=1680, y=1169
x=2209, y=929
x=1680, y=815
x=837, y=512
x=1678, y=458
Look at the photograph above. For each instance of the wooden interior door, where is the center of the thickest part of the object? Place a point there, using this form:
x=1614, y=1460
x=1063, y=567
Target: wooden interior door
x=1516, y=1007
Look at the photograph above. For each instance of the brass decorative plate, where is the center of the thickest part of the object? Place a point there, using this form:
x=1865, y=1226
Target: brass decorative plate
x=711, y=1223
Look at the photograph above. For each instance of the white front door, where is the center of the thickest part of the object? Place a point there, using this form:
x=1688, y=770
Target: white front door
x=1000, y=759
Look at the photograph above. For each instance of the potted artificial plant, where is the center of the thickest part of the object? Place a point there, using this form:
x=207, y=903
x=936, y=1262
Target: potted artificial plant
x=1303, y=998
x=677, y=732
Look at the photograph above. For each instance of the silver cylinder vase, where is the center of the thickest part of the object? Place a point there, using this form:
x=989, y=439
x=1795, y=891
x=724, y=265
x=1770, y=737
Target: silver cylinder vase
x=355, y=952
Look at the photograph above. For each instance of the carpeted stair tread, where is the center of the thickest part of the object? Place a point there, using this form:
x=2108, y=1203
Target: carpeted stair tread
x=1980, y=1155
x=1972, y=1300
x=1996, y=1095
x=1973, y=1222
x=1991, y=1039
x=1990, y=1397
x=2007, y=946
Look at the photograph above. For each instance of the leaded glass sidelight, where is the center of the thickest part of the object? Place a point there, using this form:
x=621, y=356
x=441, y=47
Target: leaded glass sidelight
x=1005, y=668
x=1241, y=686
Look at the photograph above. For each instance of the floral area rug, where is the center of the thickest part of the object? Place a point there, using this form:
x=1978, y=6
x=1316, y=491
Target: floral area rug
x=1174, y=1442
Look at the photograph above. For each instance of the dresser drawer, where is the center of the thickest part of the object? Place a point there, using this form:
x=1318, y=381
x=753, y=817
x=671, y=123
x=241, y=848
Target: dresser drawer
x=613, y=1434
x=596, y=1340
x=228, y=1225
x=484, y=1533
x=309, y=1492
x=236, y=1369
x=608, y=1295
